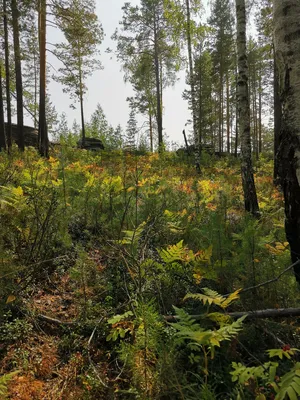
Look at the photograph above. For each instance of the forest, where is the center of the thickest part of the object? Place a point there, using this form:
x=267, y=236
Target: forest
x=129, y=270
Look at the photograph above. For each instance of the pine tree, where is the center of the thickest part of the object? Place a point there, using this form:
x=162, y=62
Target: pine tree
x=83, y=33
x=131, y=132
x=223, y=61
x=149, y=29
x=18, y=71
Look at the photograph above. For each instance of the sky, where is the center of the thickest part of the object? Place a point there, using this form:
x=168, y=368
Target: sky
x=107, y=86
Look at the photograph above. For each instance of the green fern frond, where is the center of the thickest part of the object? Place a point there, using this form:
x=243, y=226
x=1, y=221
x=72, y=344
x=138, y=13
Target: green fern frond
x=290, y=385
x=132, y=237
x=4, y=381
x=186, y=322
x=212, y=297
x=176, y=252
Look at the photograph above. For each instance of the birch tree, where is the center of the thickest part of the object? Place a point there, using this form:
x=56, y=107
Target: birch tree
x=250, y=197
x=287, y=52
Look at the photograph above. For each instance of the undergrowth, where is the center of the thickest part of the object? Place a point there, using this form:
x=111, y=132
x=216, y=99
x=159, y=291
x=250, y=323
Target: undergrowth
x=118, y=274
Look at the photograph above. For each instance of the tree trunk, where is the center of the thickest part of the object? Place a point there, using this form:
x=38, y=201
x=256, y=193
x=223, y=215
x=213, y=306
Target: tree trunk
x=81, y=102
x=260, y=112
x=18, y=70
x=158, y=88
x=7, y=78
x=236, y=144
x=2, y=126
x=227, y=112
x=277, y=121
x=287, y=53
x=43, y=134
x=269, y=313
x=250, y=197
x=192, y=84
x=150, y=129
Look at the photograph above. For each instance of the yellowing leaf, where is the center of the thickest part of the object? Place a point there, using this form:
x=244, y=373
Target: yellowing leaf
x=18, y=191
x=10, y=299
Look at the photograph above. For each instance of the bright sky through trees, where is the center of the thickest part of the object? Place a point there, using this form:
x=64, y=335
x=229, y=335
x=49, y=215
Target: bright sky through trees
x=108, y=88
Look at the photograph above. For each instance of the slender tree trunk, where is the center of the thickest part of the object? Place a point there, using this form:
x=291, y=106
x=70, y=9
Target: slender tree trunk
x=150, y=128
x=18, y=70
x=197, y=139
x=35, y=91
x=287, y=53
x=7, y=78
x=2, y=125
x=43, y=134
x=277, y=120
x=158, y=88
x=250, y=197
x=81, y=102
x=259, y=114
x=236, y=145
x=227, y=112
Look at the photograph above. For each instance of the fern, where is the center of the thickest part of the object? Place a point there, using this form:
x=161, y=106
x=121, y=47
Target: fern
x=4, y=381
x=186, y=322
x=213, y=338
x=290, y=385
x=212, y=297
x=176, y=252
x=133, y=237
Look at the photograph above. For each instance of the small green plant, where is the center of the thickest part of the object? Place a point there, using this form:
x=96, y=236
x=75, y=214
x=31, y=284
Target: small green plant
x=263, y=380
x=4, y=381
x=120, y=326
x=12, y=331
x=200, y=338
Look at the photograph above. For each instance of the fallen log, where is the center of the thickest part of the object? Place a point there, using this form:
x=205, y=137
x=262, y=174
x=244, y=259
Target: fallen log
x=268, y=313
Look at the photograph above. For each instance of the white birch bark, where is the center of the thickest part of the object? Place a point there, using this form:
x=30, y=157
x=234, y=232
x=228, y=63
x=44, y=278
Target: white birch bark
x=287, y=53
x=250, y=197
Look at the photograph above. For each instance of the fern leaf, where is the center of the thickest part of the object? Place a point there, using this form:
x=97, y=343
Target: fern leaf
x=186, y=322
x=290, y=385
x=4, y=381
x=212, y=297
x=176, y=252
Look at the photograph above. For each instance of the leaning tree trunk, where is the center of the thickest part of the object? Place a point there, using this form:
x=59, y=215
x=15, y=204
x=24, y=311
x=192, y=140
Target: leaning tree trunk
x=250, y=197
x=7, y=78
x=2, y=125
x=197, y=138
x=18, y=71
x=287, y=53
x=43, y=134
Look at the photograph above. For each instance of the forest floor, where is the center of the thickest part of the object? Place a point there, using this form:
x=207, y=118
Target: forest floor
x=96, y=249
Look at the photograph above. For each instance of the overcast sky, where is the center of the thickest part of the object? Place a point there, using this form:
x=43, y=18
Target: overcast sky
x=108, y=88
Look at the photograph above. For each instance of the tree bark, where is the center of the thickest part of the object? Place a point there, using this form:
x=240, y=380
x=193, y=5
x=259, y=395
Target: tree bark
x=150, y=129
x=81, y=102
x=18, y=71
x=43, y=134
x=158, y=87
x=287, y=53
x=277, y=120
x=268, y=313
x=7, y=78
x=250, y=197
x=197, y=138
x=2, y=125
x=228, y=112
